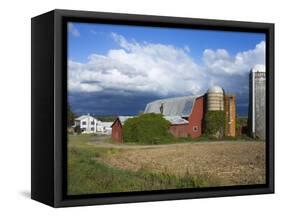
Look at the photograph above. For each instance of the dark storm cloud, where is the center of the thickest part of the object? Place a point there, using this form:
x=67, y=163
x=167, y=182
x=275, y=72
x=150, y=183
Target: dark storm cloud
x=116, y=103
x=109, y=103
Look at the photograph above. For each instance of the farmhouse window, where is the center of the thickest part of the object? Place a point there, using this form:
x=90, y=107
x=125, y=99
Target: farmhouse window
x=83, y=122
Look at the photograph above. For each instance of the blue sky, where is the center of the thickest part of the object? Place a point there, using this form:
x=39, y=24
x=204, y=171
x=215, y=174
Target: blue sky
x=96, y=38
x=131, y=65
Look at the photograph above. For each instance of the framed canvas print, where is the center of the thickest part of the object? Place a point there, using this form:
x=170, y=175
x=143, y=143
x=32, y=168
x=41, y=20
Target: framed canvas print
x=134, y=108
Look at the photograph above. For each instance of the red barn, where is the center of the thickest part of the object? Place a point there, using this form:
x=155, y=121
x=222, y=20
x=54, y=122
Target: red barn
x=184, y=113
x=190, y=108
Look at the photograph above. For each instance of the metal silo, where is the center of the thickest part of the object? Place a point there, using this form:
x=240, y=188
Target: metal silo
x=257, y=102
x=215, y=99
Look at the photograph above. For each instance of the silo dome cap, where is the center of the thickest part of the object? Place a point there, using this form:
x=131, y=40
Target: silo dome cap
x=215, y=89
x=258, y=68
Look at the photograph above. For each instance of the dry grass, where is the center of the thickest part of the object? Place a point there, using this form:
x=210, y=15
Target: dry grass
x=229, y=163
x=86, y=174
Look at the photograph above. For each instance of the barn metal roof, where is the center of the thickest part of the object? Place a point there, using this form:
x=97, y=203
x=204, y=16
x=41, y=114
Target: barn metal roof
x=172, y=119
x=124, y=118
x=178, y=106
x=106, y=124
x=176, y=120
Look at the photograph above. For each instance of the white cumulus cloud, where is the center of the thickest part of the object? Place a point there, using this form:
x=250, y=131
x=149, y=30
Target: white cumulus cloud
x=158, y=68
x=146, y=67
x=220, y=62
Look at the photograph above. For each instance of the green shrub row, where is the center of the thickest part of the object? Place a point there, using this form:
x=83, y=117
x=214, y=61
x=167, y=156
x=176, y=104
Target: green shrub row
x=147, y=128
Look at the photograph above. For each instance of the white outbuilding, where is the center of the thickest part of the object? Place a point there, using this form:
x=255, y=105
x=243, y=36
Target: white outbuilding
x=104, y=127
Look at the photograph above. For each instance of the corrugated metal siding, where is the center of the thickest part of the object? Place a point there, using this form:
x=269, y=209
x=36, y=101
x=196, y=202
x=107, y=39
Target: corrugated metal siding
x=215, y=101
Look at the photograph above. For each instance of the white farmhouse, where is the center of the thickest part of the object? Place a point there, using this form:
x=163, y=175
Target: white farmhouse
x=87, y=123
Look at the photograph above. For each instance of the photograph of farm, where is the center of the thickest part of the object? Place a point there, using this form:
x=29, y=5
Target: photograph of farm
x=164, y=108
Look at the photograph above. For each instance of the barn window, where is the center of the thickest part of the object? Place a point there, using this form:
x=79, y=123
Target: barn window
x=195, y=128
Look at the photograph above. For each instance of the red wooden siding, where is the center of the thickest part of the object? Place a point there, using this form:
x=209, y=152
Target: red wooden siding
x=180, y=130
x=117, y=134
x=196, y=118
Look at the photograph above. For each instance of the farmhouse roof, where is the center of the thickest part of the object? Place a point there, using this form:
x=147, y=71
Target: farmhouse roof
x=84, y=117
x=178, y=106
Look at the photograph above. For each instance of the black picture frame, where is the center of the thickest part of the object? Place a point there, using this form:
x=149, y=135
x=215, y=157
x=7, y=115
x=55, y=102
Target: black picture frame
x=49, y=101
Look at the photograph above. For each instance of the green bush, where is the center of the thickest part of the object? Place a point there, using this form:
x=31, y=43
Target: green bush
x=214, y=124
x=148, y=129
x=70, y=116
x=77, y=130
